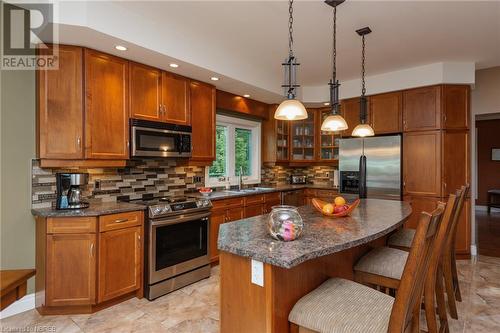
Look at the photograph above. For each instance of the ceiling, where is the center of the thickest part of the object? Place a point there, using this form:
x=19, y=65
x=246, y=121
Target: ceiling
x=244, y=42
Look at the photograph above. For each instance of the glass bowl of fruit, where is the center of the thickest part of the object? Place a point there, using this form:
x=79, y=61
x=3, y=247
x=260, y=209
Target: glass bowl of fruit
x=285, y=223
x=339, y=207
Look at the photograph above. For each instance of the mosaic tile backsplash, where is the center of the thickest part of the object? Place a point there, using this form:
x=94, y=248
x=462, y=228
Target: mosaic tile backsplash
x=154, y=178
x=139, y=179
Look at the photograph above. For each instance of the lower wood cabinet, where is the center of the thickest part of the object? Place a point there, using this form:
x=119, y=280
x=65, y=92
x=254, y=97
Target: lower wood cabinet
x=84, y=262
x=255, y=210
x=70, y=269
x=120, y=262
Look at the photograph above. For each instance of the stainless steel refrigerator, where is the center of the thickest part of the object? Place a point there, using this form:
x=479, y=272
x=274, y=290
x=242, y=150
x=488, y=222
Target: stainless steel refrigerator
x=383, y=166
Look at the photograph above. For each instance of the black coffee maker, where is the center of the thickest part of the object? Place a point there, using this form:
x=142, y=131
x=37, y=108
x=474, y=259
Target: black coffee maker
x=69, y=190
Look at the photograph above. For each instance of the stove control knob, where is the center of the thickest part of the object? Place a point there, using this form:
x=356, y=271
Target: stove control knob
x=165, y=209
x=156, y=210
x=206, y=203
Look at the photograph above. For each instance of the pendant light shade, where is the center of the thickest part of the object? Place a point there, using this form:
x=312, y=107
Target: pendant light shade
x=334, y=122
x=290, y=109
x=363, y=129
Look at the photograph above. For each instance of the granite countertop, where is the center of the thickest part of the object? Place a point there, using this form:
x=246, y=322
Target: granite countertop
x=96, y=209
x=372, y=219
x=222, y=194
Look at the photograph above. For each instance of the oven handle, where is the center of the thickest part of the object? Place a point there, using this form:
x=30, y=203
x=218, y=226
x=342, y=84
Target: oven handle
x=179, y=219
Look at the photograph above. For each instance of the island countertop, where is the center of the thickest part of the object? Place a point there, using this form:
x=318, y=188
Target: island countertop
x=372, y=219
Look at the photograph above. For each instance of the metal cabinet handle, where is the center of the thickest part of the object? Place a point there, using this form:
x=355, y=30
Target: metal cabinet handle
x=92, y=249
x=78, y=142
x=120, y=220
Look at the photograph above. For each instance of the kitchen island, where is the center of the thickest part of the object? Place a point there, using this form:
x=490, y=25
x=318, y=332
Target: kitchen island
x=327, y=248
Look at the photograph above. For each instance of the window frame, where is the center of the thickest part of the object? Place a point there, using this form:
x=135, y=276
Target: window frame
x=231, y=124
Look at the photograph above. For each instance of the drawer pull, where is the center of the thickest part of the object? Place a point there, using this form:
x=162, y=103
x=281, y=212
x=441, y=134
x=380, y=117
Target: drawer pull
x=92, y=249
x=120, y=220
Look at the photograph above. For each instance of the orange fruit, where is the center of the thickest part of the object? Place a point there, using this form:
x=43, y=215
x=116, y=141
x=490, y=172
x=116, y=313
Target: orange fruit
x=328, y=209
x=339, y=201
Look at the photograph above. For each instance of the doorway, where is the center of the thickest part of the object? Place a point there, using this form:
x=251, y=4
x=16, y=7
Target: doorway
x=487, y=213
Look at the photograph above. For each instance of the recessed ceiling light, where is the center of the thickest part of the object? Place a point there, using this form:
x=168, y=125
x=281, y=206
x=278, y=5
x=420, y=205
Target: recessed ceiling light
x=326, y=103
x=214, y=78
x=173, y=65
x=246, y=95
x=120, y=48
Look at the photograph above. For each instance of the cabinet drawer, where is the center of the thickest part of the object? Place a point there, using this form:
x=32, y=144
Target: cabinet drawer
x=254, y=199
x=273, y=197
x=226, y=203
x=309, y=192
x=71, y=225
x=326, y=193
x=119, y=221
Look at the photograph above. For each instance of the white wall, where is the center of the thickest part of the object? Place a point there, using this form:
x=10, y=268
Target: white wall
x=485, y=99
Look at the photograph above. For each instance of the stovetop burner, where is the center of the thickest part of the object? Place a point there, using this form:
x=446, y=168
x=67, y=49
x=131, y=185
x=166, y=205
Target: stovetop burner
x=173, y=199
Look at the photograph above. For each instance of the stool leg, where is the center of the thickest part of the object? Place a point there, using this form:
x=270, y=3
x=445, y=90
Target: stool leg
x=441, y=304
x=430, y=310
x=456, y=284
x=450, y=292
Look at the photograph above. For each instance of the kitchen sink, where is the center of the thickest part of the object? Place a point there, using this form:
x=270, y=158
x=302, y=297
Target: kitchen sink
x=250, y=190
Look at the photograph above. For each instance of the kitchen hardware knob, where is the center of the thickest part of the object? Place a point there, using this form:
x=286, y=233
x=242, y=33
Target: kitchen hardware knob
x=79, y=142
x=92, y=249
x=121, y=220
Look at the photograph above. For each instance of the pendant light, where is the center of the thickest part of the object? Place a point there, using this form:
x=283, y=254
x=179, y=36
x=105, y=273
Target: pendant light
x=334, y=122
x=291, y=108
x=363, y=129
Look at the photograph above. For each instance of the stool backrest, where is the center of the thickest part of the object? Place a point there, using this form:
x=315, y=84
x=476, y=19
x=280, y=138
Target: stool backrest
x=461, y=194
x=409, y=295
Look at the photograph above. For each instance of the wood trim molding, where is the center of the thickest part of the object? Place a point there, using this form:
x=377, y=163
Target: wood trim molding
x=239, y=104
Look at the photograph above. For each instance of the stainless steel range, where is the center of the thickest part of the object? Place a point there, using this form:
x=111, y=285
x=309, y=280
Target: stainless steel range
x=177, y=238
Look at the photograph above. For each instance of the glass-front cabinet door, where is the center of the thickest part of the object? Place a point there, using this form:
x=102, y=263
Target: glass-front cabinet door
x=282, y=140
x=328, y=141
x=303, y=141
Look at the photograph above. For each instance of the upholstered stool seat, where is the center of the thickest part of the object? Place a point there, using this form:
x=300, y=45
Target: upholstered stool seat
x=402, y=238
x=384, y=261
x=340, y=305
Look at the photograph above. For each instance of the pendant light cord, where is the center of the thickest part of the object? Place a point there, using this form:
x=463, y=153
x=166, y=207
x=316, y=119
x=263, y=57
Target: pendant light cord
x=290, y=29
x=334, y=69
x=363, y=59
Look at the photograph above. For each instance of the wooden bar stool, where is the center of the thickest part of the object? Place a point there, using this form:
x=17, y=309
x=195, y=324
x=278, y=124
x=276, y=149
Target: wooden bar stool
x=384, y=267
x=340, y=305
x=402, y=240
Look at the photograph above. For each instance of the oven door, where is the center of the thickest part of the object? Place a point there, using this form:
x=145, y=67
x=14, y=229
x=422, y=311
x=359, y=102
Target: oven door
x=158, y=142
x=178, y=244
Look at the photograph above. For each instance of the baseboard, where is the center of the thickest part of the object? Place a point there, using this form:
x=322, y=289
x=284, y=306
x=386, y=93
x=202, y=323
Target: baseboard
x=473, y=250
x=24, y=304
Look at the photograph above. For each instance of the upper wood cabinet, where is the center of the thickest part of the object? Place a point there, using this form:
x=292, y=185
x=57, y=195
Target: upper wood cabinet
x=275, y=139
x=175, y=99
x=120, y=262
x=60, y=106
x=422, y=109
x=422, y=163
x=145, y=92
x=202, y=103
x=303, y=138
x=106, y=106
x=386, y=112
x=70, y=270
x=328, y=142
x=456, y=112
x=239, y=104
x=350, y=112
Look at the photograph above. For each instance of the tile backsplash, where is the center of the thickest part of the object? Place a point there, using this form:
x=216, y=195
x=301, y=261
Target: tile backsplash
x=154, y=178
x=139, y=179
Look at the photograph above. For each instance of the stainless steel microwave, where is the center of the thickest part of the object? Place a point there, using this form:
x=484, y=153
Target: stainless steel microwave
x=156, y=139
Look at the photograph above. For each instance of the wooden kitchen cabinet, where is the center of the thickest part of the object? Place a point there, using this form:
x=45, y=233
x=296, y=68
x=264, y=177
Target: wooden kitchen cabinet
x=386, y=112
x=175, y=99
x=70, y=269
x=60, y=106
x=350, y=111
x=328, y=142
x=216, y=219
x=419, y=204
x=145, y=92
x=422, y=163
x=106, y=106
x=456, y=160
x=303, y=139
x=87, y=263
x=254, y=210
x=275, y=139
x=202, y=104
x=456, y=106
x=120, y=262
x=422, y=109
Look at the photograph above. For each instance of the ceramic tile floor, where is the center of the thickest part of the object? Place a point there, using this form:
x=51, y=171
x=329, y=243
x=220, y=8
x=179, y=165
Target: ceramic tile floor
x=196, y=308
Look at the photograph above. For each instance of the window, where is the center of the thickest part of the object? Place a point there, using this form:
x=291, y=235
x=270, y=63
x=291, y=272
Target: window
x=237, y=148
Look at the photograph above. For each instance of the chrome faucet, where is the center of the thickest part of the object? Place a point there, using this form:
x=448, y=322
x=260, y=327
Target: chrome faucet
x=240, y=179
